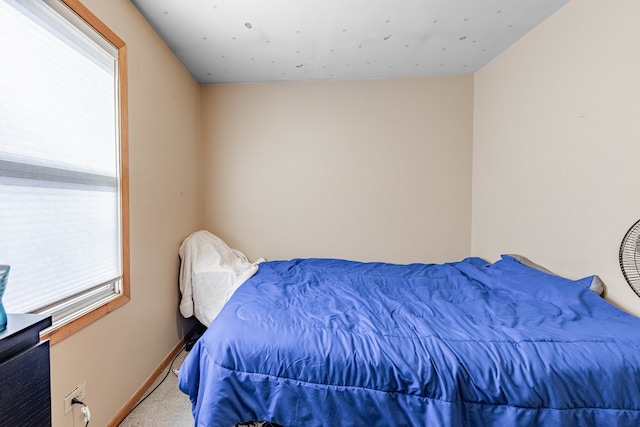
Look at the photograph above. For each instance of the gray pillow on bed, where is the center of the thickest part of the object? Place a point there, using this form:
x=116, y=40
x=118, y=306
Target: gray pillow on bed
x=593, y=283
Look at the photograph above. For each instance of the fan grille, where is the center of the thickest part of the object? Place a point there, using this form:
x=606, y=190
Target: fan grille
x=630, y=257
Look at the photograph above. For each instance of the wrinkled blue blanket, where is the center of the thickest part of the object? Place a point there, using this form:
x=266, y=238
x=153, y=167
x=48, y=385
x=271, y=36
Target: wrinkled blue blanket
x=321, y=342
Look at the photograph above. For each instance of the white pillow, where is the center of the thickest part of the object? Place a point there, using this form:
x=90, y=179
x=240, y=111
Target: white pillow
x=593, y=283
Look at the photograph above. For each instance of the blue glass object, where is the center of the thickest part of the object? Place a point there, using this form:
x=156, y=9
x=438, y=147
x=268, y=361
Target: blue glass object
x=4, y=277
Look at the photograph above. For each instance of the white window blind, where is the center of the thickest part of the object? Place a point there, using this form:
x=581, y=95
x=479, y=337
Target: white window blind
x=59, y=161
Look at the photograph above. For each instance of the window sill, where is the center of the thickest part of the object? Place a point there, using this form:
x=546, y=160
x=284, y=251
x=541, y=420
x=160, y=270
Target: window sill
x=57, y=333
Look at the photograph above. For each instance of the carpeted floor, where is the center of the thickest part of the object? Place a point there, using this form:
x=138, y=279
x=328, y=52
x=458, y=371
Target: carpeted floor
x=167, y=406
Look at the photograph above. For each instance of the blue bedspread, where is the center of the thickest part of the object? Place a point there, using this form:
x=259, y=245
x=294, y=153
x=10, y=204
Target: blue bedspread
x=321, y=342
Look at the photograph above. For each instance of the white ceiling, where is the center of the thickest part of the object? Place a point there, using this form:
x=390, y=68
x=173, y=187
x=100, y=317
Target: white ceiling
x=239, y=41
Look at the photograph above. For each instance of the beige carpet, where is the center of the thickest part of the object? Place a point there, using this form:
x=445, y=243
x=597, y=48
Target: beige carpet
x=167, y=406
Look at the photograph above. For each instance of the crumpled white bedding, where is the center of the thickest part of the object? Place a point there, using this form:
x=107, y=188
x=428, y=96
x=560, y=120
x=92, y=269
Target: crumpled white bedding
x=210, y=272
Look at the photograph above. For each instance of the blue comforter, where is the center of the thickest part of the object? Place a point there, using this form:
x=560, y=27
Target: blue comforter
x=321, y=342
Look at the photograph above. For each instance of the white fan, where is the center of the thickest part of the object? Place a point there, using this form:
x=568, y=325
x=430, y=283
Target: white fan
x=630, y=257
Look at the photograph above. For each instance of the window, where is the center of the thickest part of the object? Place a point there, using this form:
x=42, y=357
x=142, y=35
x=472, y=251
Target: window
x=63, y=163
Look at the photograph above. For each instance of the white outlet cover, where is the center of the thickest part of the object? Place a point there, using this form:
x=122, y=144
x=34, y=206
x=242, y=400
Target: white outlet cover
x=78, y=393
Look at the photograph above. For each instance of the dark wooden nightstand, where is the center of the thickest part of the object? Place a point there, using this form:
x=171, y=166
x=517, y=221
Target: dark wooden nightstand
x=25, y=380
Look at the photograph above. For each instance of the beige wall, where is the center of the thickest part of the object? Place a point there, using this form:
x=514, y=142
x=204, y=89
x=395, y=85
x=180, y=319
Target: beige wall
x=367, y=170
x=116, y=354
x=557, y=144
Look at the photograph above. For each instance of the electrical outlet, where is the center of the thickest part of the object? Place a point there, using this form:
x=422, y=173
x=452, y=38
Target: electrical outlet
x=77, y=393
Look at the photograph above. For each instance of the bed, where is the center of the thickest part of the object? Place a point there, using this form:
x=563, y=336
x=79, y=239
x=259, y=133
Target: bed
x=325, y=342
